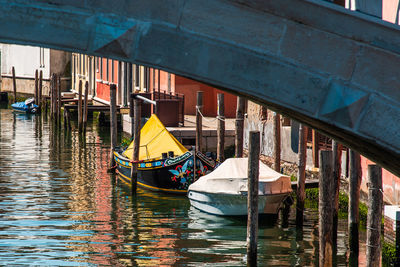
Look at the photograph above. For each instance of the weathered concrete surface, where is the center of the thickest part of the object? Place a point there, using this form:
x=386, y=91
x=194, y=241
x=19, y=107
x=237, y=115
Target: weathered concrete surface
x=328, y=67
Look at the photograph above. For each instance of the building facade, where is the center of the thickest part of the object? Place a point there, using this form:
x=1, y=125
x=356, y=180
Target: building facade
x=26, y=60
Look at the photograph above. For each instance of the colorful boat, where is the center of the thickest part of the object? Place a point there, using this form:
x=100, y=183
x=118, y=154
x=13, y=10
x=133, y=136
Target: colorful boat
x=164, y=163
x=27, y=106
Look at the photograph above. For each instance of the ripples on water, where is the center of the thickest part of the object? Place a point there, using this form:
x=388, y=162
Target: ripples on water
x=59, y=206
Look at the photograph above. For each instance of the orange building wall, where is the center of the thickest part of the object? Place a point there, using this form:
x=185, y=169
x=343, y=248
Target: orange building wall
x=163, y=80
x=189, y=88
x=103, y=88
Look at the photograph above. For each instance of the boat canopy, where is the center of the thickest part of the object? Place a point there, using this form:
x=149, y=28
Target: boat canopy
x=231, y=177
x=155, y=140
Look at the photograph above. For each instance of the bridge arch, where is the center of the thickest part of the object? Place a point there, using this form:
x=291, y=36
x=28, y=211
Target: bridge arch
x=330, y=68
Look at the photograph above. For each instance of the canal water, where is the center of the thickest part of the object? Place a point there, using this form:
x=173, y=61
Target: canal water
x=60, y=207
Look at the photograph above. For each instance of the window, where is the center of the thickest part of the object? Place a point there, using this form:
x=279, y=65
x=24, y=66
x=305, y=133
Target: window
x=97, y=64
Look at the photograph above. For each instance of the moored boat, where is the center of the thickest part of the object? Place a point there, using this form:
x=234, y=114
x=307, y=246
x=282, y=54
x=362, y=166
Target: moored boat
x=164, y=163
x=27, y=106
x=224, y=190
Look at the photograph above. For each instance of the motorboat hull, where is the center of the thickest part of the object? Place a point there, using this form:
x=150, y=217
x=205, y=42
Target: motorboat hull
x=235, y=204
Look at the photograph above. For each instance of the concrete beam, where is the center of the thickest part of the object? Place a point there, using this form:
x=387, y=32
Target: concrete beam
x=331, y=68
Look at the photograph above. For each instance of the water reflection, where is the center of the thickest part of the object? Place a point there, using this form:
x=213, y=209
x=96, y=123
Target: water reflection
x=59, y=206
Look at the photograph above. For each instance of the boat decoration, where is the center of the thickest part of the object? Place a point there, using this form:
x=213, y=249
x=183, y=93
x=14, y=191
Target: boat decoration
x=164, y=163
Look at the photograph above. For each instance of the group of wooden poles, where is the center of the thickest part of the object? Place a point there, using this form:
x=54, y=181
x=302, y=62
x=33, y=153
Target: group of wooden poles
x=329, y=181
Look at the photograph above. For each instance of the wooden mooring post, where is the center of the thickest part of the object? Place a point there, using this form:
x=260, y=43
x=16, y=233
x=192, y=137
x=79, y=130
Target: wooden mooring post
x=315, y=148
x=53, y=89
x=199, y=121
x=113, y=119
x=337, y=169
x=59, y=99
x=277, y=142
x=40, y=104
x=239, y=126
x=36, y=87
x=374, y=217
x=85, y=105
x=80, y=115
x=252, y=198
x=326, y=206
x=301, y=176
x=354, y=202
x=14, y=84
x=220, y=127
x=137, y=114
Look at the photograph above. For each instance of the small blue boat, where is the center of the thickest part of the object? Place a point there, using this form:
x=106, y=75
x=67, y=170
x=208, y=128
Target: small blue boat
x=27, y=106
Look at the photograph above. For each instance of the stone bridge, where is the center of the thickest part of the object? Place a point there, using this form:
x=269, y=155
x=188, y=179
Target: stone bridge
x=331, y=68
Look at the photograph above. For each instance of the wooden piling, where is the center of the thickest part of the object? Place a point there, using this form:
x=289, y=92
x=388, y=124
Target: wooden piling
x=85, y=111
x=51, y=94
x=113, y=118
x=252, y=197
x=137, y=114
x=354, y=202
x=14, y=84
x=220, y=127
x=277, y=142
x=55, y=93
x=36, y=87
x=40, y=104
x=374, y=217
x=132, y=115
x=337, y=170
x=239, y=126
x=199, y=122
x=326, y=206
x=315, y=148
x=80, y=117
x=59, y=103
x=52, y=97
x=301, y=176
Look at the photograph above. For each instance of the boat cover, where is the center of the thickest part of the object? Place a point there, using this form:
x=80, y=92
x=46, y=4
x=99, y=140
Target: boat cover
x=231, y=178
x=155, y=140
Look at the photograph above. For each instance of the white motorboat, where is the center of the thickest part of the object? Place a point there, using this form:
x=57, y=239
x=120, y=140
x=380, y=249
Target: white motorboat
x=224, y=190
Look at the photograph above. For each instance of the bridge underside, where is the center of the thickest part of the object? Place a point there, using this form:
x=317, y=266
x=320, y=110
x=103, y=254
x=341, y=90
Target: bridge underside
x=333, y=69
